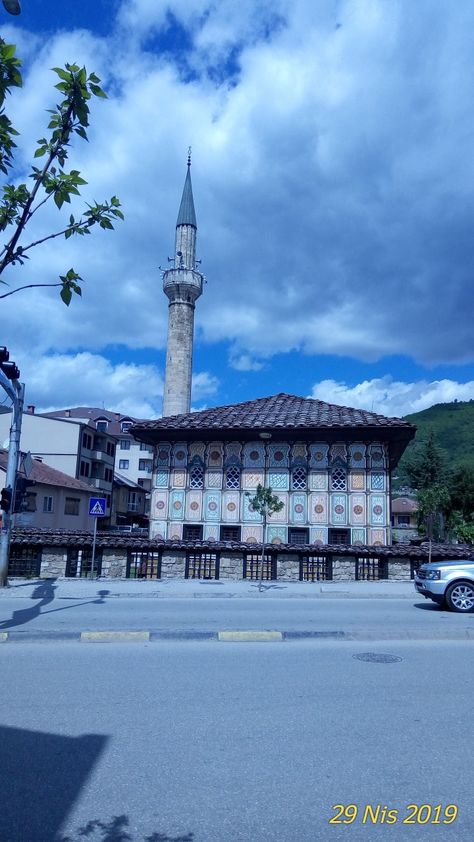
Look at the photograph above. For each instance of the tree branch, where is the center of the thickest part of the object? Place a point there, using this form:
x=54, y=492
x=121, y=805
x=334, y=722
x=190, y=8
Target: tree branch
x=28, y=286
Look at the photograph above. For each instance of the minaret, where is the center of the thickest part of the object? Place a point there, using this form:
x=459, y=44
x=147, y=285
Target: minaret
x=183, y=285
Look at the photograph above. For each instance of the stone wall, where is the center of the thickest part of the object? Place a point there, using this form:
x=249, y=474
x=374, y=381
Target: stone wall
x=53, y=562
x=114, y=564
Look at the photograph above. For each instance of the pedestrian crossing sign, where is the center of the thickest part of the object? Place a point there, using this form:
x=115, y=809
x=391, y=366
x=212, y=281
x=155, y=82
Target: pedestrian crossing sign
x=97, y=506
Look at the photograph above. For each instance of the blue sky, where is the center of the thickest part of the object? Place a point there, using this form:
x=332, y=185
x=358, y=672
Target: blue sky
x=333, y=183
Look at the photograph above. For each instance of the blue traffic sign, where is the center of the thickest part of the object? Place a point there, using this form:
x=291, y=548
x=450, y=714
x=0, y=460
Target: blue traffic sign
x=97, y=506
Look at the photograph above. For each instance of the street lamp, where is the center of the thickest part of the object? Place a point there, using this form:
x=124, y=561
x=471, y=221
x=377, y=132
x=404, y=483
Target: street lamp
x=12, y=7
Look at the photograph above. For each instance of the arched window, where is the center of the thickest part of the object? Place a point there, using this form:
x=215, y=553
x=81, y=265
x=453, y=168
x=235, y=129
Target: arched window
x=299, y=479
x=232, y=477
x=196, y=477
x=339, y=479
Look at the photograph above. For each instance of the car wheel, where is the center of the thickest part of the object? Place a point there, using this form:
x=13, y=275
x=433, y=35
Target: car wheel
x=460, y=597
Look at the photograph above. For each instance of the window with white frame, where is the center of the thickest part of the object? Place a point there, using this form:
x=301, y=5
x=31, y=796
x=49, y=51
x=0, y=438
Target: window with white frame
x=124, y=464
x=196, y=477
x=339, y=479
x=124, y=444
x=47, y=504
x=232, y=477
x=299, y=479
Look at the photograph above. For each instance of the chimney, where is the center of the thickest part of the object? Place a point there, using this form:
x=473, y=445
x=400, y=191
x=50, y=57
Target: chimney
x=67, y=413
x=31, y=408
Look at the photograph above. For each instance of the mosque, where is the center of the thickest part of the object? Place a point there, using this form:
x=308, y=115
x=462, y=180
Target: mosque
x=329, y=465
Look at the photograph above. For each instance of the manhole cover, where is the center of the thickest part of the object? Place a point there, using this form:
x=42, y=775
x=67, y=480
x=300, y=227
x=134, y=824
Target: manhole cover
x=377, y=658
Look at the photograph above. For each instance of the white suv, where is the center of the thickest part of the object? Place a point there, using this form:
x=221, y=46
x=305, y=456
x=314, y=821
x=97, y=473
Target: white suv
x=448, y=583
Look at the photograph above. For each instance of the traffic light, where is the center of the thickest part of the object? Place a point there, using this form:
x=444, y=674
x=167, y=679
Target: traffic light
x=22, y=484
x=6, y=499
x=10, y=369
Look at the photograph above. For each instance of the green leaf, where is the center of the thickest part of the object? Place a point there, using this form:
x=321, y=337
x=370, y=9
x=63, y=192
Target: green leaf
x=41, y=151
x=66, y=295
x=98, y=91
x=63, y=74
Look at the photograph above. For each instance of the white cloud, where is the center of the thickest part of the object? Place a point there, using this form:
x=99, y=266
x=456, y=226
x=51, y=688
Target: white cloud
x=204, y=385
x=394, y=399
x=331, y=176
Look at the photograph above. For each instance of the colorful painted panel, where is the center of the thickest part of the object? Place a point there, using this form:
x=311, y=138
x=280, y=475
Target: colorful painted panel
x=318, y=480
x=163, y=454
x=357, y=456
x=377, y=537
x=177, y=505
x=212, y=506
x=233, y=453
x=377, y=510
x=252, y=534
x=159, y=505
x=211, y=532
x=317, y=535
x=194, y=505
x=377, y=481
x=178, y=478
x=162, y=478
x=278, y=455
x=175, y=531
x=215, y=454
x=277, y=535
x=357, y=480
x=279, y=480
x=377, y=457
x=298, y=508
x=197, y=450
x=282, y=516
x=248, y=513
x=230, y=507
x=254, y=455
x=338, y=454
x=299, y=454
x=213, y=479
x=250, y=479
x=179, y=457
x=357, y=512
x=318, y=508
x=358, y=536
x=338, y=508
x=318, y=456
x=158, y=529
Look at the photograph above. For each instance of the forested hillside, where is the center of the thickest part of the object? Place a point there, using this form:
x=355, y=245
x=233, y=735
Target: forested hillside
x=453, y=427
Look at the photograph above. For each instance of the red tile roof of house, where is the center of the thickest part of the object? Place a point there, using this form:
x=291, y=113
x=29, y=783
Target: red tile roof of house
x=45, y=475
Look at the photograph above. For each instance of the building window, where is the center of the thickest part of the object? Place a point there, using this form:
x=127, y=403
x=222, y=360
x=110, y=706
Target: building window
x=24, y=560
x=145, y=465
x=339, y=479
x=144, y=565
x=315, y=568
x=124, y=444
x=71, y=506
x=125, y=426
x=253, y=563
x=79, y=563
x=192, y=532
x=371, y=568
x=85, y=468
x=298, y=536
x=230, y=533
x=147, y=447
x=196, y=477
x=145, y=484
x=232, y=477
x=299, y=479
x=202, y=566
x=124, y=464
x=110, y=448
x=47, y=504
x=108, y=475
x=403, y=520
x=86, y=441
x=339, y=536
x=101, y=426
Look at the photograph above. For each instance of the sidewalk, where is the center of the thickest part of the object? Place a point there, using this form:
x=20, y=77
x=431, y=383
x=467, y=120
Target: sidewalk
x=205, y=589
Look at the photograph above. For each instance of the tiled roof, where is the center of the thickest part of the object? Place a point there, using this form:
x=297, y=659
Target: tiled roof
x=45, y=475
x=64, y=538
x=90, y=414
x=276, y=412
x=403, y=505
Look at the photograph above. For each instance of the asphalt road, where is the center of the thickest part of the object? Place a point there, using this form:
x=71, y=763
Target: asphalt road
x=241, y=743
x=376, y=617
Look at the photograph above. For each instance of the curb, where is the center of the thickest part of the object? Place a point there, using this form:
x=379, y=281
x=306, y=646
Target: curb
x=229, y=636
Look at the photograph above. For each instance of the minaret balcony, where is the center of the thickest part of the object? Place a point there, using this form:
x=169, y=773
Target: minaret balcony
x=182, y=284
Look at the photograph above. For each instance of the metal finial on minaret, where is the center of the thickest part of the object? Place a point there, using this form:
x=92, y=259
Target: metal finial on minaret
x=183, y=286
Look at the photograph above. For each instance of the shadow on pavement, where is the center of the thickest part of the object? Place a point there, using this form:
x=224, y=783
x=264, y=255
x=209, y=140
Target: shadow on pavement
x=116, y=830
x=42, y=776
x=45, y=592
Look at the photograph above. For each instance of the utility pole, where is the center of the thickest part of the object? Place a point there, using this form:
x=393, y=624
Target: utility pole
x=9, y=380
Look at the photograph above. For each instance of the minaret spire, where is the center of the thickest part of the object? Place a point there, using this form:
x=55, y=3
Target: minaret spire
x=183, y=286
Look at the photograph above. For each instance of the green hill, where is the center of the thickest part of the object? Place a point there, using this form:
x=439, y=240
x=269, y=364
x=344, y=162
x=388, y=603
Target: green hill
x=453, y=426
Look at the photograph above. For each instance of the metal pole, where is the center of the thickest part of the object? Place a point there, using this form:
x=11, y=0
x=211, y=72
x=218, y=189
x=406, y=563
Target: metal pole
x=93, y=548
x=16, y=391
